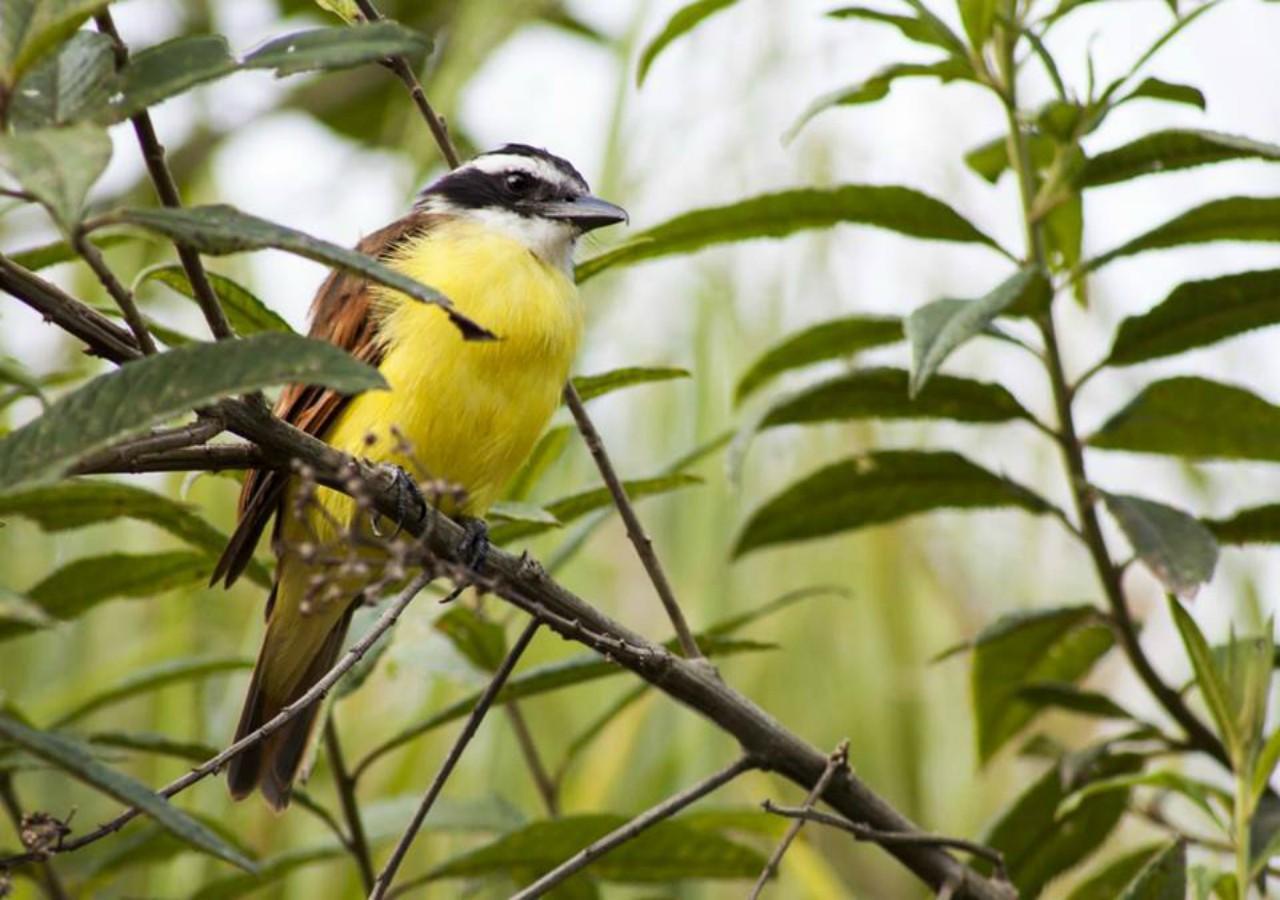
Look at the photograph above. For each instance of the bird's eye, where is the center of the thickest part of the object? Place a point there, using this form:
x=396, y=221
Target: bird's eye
x=519, y=182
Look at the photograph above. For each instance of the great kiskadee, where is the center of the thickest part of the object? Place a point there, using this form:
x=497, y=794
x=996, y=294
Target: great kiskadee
x=496, y=236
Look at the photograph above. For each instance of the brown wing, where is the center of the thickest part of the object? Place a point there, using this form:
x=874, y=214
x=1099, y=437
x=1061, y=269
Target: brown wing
x=340, y=314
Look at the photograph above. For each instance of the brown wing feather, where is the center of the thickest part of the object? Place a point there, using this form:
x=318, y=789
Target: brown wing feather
x=340, y=314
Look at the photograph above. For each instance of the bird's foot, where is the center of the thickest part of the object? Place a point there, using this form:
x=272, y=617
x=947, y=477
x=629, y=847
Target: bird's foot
x=473, y=549
x=411, y=506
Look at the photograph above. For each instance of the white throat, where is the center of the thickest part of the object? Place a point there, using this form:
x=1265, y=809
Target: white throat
x=551, y=241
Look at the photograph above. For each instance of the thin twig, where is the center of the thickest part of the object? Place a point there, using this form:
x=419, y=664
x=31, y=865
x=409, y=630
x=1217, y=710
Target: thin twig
x=631, y=829
x=53, y=887
x=311, y=697
x=838, y=759
x=120, y=457
x=541, y=779
x=635, y=530
x=889, y=838
x=404, y=72
x=358, y=844
x=121, y=294
x=167, y=191
x=18, y=194
x=205, y=458
x=499, y=679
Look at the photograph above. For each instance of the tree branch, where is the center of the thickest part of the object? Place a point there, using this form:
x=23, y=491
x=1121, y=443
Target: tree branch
x=122, y=456
x=167, y=191
x=541, y=780
x=121, y=294
x=357, y=843
x=838, y=759
x=388, y=873
x=626, y=832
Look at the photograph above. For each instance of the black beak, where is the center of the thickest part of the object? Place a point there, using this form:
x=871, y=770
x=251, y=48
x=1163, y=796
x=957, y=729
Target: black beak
x=586, y=212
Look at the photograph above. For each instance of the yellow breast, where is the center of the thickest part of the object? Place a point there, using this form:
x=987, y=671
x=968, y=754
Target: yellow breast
x=469, y=411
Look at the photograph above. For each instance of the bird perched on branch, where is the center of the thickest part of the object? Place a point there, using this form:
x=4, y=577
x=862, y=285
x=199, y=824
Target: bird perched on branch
x=496, y=236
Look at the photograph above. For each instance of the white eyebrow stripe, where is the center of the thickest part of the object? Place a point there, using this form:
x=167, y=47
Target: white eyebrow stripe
x=494, y=163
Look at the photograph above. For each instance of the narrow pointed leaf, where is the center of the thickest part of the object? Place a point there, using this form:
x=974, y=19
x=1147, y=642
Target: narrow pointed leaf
x=1195, y=418
x=1199, y=313
x=882, y=394
x=938, y=329
x=684, y=20
x=222, y=229
x=591, y=386
x=153, y=678
x=147, y=391
x=1174, y=545
x=978, y=17
x=545, y=454
x=777, y=215
x=1016, y=652
x=1168, y=151
x=76, y=759
x=1200, y=793
x=517, y=511
x=991, y=159
x=69, y=86
x=81, y=502
x=31, y=27
x=1256, y=525
x=575, y=506
x=1163, y=878
x=876, y=488
x=481, y=642
x=57, y=166
x=835, y=339
x=1066, y=696
x=921, y=30
x=1231, y=219
x=339, y=47
x=246, y=313
x=157, y=73
x=876, y=88
x=1208, y=677
x=1114, y=877
x=79, y=586
x=666, y=851
x=155, y=744
x=45, y=255
x=18, y=615
x=1168, y=91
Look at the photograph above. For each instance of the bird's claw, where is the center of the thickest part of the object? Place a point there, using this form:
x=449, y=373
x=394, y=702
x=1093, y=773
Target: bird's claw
x=473, y=549
x=411, y=506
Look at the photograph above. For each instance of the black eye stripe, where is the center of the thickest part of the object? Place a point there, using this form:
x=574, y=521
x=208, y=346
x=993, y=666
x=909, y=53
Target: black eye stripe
x=471, y=188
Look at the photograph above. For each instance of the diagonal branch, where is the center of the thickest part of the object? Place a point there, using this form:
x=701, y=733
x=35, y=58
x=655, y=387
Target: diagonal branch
x=388, y=873
x=630, y=830
x=121, y=294
x=838, y=759
x=167, y=191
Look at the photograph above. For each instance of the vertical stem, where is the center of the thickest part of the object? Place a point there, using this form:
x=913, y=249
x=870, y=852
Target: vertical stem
x=358, y=842
x=1240, y=820
x=52, y=885
x=541, y=779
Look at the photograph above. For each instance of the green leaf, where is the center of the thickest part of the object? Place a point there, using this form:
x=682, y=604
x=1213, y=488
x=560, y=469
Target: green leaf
x=1268, y=758
x=1264, y=836
x=882, y=394
x=1200, y=793
x=834, y=339
x=339, y=47
x=1245, y=664
x=36, y=258
x=1197, y=314
x=1230, y=219
x=154, y=744
x=481, y=642
x=77, y=760
x=874, y=488
x=681, y=22
x=667, y=851
x=591, y=386
x=978, y=17
x=67, y=87
x=517, y=511
x=939, y=328
x=1023, y=649
x=1174, y=545
x=922, y=30
x=153, y=678
x=1209, y=679
x=877, y=88
x=776, y=215
x=1039, y=841
x=1168, y=151
x=166, y=70
x=81, y=502
x=991, y=159
x=57, y=166
x=1064, y=695
x=32, y=27
x=75, y=588
x=575, y=506
x=220, y=229
x=247, y=314
x=1114, y=877
x=1256, y=525
x=1195, y=418
x=269, y=871
x=545, y=453
x=150, y=390
x=1163, y=878
x=18, y=615
x=1169, y=91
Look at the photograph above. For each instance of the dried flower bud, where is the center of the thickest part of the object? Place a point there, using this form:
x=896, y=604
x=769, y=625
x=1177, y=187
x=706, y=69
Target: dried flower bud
x=41, y=832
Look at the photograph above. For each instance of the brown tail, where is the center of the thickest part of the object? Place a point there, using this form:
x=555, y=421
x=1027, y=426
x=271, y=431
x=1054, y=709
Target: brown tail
x=272, y=764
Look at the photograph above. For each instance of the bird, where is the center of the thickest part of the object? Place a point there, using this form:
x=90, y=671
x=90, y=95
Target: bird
x=496, y=236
